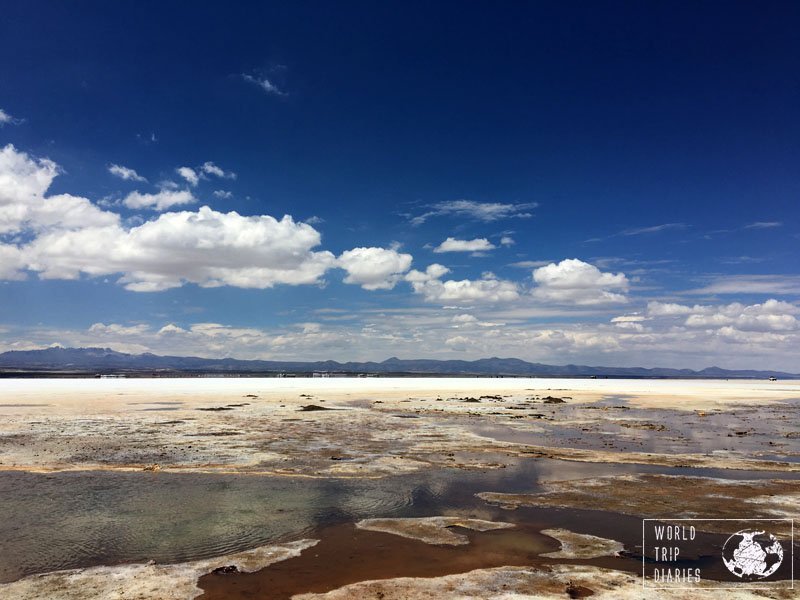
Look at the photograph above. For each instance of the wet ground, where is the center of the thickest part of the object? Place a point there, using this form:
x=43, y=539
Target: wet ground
x=128, y=476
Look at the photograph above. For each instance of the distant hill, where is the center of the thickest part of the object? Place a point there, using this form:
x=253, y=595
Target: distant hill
x=83, y=361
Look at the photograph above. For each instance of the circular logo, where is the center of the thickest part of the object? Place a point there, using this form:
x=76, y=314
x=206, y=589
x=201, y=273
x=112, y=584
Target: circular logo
x=752, y=554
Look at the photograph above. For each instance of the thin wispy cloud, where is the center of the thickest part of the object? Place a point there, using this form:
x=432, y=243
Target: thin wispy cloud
x=653, y=229
x=265, y=84
x=763, y=225
x=530, y=264
x=750, y=284
x=125, y=173
x=478, y=211
x=7, y=119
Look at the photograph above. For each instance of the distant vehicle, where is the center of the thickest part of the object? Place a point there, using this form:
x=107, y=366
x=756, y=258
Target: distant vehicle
x=773, y=379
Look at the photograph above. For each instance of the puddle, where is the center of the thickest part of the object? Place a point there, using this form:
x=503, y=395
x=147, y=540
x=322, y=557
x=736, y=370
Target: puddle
x=71, y=520
x=80, y=519
x=611, y=424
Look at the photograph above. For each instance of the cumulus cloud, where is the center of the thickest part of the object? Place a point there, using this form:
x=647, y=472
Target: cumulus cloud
x=189, y=174
x=125, y=173
x=12, y=263
x=24, y=181
x=161, y=200
x=374, y=268
x=479, y=211
x=573, y=281
x=667, y=309
x=458, y=342
x=507, y=241
x=454, y=245
x=206, y=247
x=68, y=237
x=772, y=315
x=488, y=289
x=223, y=194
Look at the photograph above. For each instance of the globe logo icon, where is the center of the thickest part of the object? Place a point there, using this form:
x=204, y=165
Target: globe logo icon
x=752, y=554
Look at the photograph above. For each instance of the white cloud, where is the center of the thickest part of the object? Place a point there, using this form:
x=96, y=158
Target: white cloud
x=507, y=241
x=458, y=342
x=189, y=174
x=223, y=194
x=434, y=271
x=374, y=268
x=763, y=225
x=480, y=211
x=125, y=173
x=209, y=168
x=530, y=264
x=265, y=84
x=159, y=201
x=573, y=281
x=464, y=319
x=654, y=229
x=24, y=181
x=629, y=319
x=751, y=284
x=454, y=245
x=7, y=119
x=662, y=309
x=116, y=329
x=12, y=263
x=772, y=315
x=206, y=247
x=488, y=289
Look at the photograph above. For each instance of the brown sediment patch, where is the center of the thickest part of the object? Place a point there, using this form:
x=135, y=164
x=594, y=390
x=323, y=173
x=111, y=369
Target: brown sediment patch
x=144, y=581
x=346, y=555
x=581, y=545
x=431, y=530
x=557, y=582
x=665, y=496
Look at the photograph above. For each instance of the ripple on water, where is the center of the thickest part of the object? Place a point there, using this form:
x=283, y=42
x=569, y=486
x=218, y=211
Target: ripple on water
x=71, y=520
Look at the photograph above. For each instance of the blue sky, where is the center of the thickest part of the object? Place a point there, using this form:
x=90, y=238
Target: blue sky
x=606, y=183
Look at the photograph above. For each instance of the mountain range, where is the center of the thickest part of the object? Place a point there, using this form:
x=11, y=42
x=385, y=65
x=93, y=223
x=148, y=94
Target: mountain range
x=92, y=361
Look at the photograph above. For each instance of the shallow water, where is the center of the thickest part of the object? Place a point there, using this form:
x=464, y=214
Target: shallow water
x=70, y=520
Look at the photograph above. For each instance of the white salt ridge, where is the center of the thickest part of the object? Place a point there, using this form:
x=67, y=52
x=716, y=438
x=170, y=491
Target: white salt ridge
x=431, y=530
x=143, y=581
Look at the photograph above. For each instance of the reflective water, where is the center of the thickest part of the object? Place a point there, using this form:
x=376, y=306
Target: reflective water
x=70, y=520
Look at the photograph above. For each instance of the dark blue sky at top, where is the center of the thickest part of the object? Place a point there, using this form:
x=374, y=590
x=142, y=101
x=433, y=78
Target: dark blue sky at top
x=611, y=116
